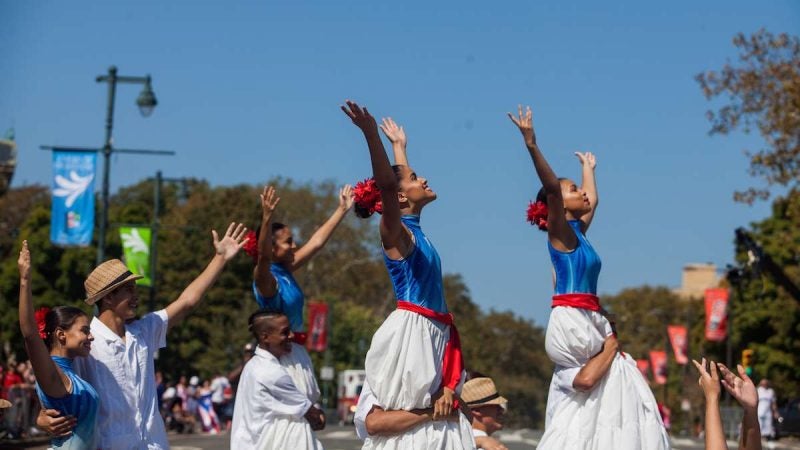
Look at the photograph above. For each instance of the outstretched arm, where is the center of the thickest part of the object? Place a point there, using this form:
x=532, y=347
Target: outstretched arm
x=744, y=391
x=709, y=382
x=393, y=233
x=397, y=136
x=226, y=249
x=558, y=231
x=380, y=422
x=597, y=367
x=589, y=186
x=52, y=381
x=323, y=233
x=262, y=275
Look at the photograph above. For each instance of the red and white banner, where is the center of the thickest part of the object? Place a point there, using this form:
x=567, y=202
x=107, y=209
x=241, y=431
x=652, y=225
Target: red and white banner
x=679, y=341
x=716, y=314
x=658, y=361
x=643, y=365
x=318, y=327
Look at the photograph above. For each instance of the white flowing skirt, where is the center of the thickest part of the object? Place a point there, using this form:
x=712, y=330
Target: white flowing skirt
x=619, y=413
x=404, y=370
x=301, y=370
x=288, y=433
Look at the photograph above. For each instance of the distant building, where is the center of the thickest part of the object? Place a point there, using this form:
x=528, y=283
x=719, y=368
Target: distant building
x=8, y=162
x=696, y=278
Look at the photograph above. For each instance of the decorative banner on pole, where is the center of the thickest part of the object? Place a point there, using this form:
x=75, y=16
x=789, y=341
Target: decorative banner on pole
x=677, y=337
x=72, y=214
x=643, y=365
x=658, y=361
x=318, y=328
x=136, y=245
x=716, y=314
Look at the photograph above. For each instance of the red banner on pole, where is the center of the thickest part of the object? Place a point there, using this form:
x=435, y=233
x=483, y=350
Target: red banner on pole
x=658, y=361
x=318, y=327
x=716, y=314
x=680, y=344
x=643, y=365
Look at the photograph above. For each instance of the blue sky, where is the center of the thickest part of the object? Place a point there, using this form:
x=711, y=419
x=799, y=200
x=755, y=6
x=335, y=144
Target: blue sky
x=250, y=90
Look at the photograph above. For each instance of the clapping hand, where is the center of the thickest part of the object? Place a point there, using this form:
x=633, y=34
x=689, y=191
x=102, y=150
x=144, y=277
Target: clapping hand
x=232, y=242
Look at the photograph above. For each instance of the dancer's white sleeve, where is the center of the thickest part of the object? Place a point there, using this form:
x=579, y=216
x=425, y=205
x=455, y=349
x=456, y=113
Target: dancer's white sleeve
x=366, y=401
x=563, y=377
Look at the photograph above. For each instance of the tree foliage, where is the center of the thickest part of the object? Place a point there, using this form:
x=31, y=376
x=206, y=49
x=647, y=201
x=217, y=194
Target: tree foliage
x=762, y=91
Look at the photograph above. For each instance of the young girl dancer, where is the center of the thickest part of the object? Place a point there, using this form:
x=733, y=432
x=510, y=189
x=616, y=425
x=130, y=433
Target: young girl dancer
x=277, y=257
x=597, y=399
x=414, y=359
x=62, y=334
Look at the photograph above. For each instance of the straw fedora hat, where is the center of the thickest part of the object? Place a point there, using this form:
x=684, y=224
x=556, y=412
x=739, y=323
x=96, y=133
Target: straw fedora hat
x=4, y=403
x=481, y=391
x=105, y=278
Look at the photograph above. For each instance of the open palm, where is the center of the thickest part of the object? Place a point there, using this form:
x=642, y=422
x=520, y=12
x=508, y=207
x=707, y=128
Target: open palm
x=232, y=242
x=742, y=389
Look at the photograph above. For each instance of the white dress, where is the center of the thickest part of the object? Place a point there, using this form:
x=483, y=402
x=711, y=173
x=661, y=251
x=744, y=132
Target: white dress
x=620, y=413
x=299, y=366
x=403, y=370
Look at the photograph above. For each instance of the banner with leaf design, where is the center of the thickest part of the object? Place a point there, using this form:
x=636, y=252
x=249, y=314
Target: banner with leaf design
x=136, y=245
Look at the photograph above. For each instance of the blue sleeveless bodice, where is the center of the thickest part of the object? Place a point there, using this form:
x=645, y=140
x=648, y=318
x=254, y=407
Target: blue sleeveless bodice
x=417, y=278
x=289, y=299
x=576, y=271
x=81, y=403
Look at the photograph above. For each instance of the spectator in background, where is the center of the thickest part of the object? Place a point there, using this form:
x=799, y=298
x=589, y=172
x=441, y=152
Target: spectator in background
x=218, y=387
x=767, y=409
x=488, y=409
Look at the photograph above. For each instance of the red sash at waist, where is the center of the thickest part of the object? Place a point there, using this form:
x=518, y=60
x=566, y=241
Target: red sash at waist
x=453, y=362
x=582, y=301
x=299, y=337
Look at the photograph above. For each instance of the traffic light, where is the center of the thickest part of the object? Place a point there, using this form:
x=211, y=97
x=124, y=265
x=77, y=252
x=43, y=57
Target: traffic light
x=747, y=360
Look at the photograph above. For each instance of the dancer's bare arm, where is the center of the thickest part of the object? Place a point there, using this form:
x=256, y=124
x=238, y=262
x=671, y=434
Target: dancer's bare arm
x=262, y=275
x=226, y=248
x=397, y=136
x=709, y=382
x=597, y=367
x=380, y=422
x=744, y=391
x=323, y=233
x=589, y=185
x=559, y=232
x=394, y=234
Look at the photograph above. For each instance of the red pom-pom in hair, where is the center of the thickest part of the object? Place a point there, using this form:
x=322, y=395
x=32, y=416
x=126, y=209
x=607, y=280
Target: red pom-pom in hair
x=251, y=246
x=537, y=214
x=367, y=196
x=41, y=315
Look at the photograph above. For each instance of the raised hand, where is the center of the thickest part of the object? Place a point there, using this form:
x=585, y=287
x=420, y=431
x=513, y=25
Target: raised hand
x=232, y=242
x=525, y=124
x=360, y=116
x=587, y=159
x=742, y=389
x=346, y=198
x=709, y=379
x=268, y=200
x=395, y=134
x=24, y=262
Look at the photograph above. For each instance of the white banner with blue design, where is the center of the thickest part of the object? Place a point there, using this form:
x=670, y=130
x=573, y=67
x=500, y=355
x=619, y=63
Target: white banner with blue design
x=72, y=216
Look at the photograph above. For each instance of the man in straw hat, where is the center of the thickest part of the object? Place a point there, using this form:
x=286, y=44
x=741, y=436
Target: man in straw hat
x=488, y=408
x=121, y=363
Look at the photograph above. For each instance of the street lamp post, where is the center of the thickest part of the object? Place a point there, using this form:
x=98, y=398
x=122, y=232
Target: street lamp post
x=146, y=102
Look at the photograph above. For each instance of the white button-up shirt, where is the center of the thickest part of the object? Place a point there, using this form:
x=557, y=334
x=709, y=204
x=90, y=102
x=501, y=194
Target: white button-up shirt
x=123, y=374
x=266, y=392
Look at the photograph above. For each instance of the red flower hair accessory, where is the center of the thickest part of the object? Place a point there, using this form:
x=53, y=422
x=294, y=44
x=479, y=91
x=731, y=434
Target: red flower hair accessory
x=537, y=214
x=41, y=315
x=251, y=246
x=367, y=196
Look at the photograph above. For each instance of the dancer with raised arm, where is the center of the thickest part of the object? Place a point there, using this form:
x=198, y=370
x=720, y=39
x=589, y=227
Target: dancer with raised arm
x=597, y=399
x=277, y=258
x=53, y=338
x=414, y=360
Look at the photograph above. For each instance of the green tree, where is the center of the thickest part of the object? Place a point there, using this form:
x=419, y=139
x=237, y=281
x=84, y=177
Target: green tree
x=762, y=91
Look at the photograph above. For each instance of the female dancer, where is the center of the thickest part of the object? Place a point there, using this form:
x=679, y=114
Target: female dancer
x=277, y=258
x=597, y=398
x=62, y=334
x=415, y=355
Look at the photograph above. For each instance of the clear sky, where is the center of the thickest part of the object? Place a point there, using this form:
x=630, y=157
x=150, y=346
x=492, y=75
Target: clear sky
x=249, y=90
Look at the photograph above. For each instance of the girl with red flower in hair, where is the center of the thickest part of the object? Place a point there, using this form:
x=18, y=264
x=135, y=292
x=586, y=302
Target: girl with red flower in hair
x=414, y=366
x=277, y=257
x=53, y=338
x=598, y=398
